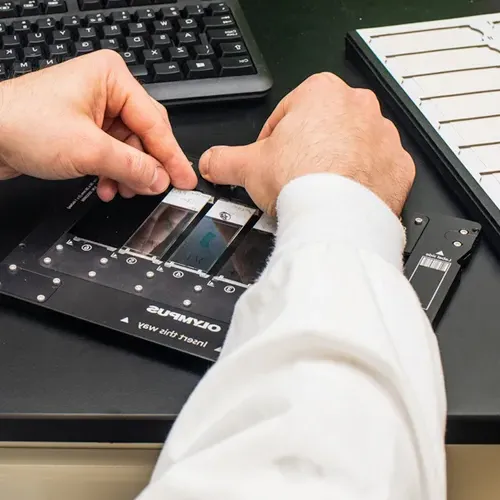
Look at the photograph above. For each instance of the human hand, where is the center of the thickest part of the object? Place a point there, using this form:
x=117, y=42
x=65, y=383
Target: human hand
x=322, y=126
x=89, y=116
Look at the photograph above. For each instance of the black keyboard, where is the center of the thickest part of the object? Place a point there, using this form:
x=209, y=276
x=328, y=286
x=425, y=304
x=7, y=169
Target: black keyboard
x=180, y=51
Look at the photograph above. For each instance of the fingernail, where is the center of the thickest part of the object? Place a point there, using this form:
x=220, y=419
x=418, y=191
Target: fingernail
x=161, y=181
x=204, y=163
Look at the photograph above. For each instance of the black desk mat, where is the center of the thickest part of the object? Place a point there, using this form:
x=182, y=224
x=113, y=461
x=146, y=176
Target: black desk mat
x=61, y=380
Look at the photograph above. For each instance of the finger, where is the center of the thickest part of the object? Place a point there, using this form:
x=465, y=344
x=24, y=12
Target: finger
x=118, y=130
x=162, y=110
x=229, y=165
x=135, y=142
x=276, y=116
x=158, y=139
x=125, y=191
x=121, y=132
x=106, y=189
x=127, y=165
x=128, y=99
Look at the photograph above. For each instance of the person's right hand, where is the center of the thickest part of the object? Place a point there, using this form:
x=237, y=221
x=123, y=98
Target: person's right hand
x=322, y=126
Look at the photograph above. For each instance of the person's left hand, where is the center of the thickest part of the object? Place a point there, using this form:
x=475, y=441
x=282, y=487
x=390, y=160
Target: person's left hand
x=90, y=116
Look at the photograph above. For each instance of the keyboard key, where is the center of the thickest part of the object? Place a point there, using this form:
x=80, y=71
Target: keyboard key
x=7, y=9
x=161, y=42
x=8, y=57
x=145, y=16
x=57, y=51
x=87, y=34
x=188, y=25
x=196, y=11
x=137, y=29
x=22, y=68
x=110, y=44
x=55, y=7
x=236, y=66
x=11, y=42
x=84, y=47
x=232, y=49
x=135, y=44
x=114, y=4
x=135, y=3
x=200, y=69
x=170, y=13
x=186, y=39
x=46, y=24
x=179, y=54
x=204, y=52
x=166, y=72
x=29, y=8
x=47, y=63
x=3, y=72
x=140, y=72
x=95, y=20
x=32, y=54
x=163, y=26
x=113, y=31
x=151, y=56
x=35, y=39
x=221, y=36
x=61, y=36
x=217, y=22
x=70, y=23
x=218, y=8
x=122, y=17
x=21, y=28
x=129, y=58
x=89, y=4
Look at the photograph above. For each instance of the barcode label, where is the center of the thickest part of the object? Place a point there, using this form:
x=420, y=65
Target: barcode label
x=438, y=265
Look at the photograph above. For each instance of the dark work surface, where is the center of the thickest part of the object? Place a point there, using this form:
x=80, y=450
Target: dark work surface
x=64, y=380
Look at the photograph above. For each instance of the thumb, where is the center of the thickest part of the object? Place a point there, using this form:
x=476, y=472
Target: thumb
x=230, y=164
x=125, y=164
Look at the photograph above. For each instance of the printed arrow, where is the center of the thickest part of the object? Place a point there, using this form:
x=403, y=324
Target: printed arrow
x=124, y=320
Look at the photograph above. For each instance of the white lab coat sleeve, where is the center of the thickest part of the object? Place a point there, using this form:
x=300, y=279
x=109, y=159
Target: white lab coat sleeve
x=329, y=386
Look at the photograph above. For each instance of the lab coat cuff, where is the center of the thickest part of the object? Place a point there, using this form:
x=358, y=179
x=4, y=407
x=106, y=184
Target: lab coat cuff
x=329, y=208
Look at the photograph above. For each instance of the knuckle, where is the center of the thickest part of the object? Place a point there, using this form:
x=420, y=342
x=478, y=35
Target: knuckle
x=164, y=114
x=107, y=60
x=391, y=131
x=110, y=56
x=323, y=79
x=407, y=170
x=410, y=164
x=367, y=98
x=162, y=109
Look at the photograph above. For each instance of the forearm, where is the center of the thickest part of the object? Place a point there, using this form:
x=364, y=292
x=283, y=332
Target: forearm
x=329, y=384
